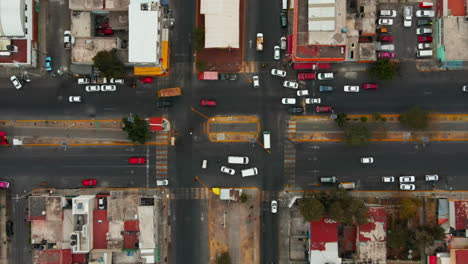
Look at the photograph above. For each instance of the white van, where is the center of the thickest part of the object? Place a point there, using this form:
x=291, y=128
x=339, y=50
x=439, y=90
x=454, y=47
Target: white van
x=204, y=164
x=284, y=5
x=249, y=172
x=424, y=53
x=347, y=185
x=266, y=139
x=238, y=160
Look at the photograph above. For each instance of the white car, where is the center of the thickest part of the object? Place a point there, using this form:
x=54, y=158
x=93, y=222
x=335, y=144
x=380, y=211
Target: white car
x=288, y=101
x=92, y=88
x=74, y=99
x=16, y=82
x=256, y=81
x=424, y=46
x=407, y=179
x=388, y=179
x=68, y=39
x=228, y=170
x=283, y=43
x=423, y=30
x=290, y=84
x=313, y=100
x=83, y=81
x=302, y=93
x=432, y=177
x=276, y=53
x=385, y=21
x=425, y=13
x=108, y=88
x=325, y=76
x=367, y=160
x=465, y=88
x=162, y=182
x=407, y=187
x=279, y=73
x=118, y=81
x=387, y=13
x=274, y=207
x=351, y=88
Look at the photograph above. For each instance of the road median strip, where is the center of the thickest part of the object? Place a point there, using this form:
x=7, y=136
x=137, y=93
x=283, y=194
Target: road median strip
x=214, y=123
x=76, y=124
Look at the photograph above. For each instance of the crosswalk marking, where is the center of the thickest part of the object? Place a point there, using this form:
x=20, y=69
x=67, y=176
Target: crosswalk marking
x=190, y=194
x=292, y=127
x=250, y=66
x=162, y=140
x=290, y=162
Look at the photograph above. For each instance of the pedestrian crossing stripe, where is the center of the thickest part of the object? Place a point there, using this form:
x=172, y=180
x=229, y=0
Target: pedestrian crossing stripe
x=190, y=193
x=292, y=127
x=249, y=66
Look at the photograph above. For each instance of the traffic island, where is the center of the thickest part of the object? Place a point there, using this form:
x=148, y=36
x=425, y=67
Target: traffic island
x=234, y=225
x=233, y=128
x=83, y=124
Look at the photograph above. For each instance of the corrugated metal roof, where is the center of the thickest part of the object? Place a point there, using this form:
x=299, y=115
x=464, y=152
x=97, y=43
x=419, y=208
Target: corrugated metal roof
x=321, y=15
x=11, y=18
x=221, y=23
x=144, y=25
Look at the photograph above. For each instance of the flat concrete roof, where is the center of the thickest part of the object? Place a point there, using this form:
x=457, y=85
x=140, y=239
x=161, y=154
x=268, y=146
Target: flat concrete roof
x=455, y=38
x=81, y=25
x=92, y=5
x=328, y=29
x=85, y=49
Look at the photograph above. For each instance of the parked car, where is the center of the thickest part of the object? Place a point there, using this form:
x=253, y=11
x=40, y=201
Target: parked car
x=385, y=38
x=368, y=86
x=407, y=187
x=291, y=84
x=295, y=110
x=367, y=160
x=306, y=76
x=432, y=177
x=387, y=13
x=108, y=88
x=284, y=19
x=207, y=102
x=48, y=63
x=163, y=104
x=288, y=101
x=92, y=88
x=325, y=76
x=302, y=92
x=424, y=46
x=137, y=160
x=4, y=185
x=274, y=207
x=385, y=46
x=89, y=182
x=232, y=76
x=465, y=88
x=424, y=22
x=423, y=30
x=68, y=39
x=385, y=21
x=16, y=82
x=227, y=170
x=388, y=179
x=118, y=81
x=323, y=109
x=277, y=72
x=425, y=13
x=325, y=89
x=407, y=16
x=162, y=182
x=84, y=80
x=256, y=81
x=407, y=178
x=382, y=30
x=424, y=39
x=276, y=53
x=386, y=54
x=313, y=100
x=426, y=5
x=74, y=99
x=351, y=88
x=283, y=43
x=146, y=79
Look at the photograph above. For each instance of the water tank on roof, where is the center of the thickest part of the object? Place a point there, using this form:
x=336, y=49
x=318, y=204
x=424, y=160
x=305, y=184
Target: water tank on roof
x=344, y=30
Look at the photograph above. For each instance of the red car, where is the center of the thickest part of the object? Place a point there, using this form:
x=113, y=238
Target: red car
x=89, y=182
x=424, y=39
x=206, y=102
x=323, y=109
x=370, y=86
x=106, y=31
x=426, y=5
x=385, y=54
x=146, y=79
x=136, y=160
x=4, y=185
x=385, y=38
x=306, y=76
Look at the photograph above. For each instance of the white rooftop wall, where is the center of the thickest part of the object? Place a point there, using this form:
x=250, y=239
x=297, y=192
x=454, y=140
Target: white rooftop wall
x=144, y=39
x=11, y=18
x=221, y=23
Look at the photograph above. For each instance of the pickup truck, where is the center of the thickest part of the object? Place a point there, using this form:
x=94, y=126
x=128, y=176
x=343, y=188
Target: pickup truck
x=259, y=41
x=407, y=13
x=68, y=39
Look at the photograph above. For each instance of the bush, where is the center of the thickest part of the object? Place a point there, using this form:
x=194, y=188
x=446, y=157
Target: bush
x=311, y=208
x=357, y=135
x=384, y=69
x=223, y=258
x=138, y=130
x=109, y=64
x=415, y=118
x=243, y=198
x=201, y=65
x=363, y=119
x=341, y=119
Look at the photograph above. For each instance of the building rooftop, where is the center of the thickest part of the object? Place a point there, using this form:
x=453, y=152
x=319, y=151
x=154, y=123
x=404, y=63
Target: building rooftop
x=371, y=240
x=461, y=256
x=85, y=49
x=95, y=5
x=456, y=7
x=55, y=256
x=324, y=242
x=454, y=38
x=458, y=210
x=12, y=19
x=100, y=229
x=37, y=207
x=221, y=23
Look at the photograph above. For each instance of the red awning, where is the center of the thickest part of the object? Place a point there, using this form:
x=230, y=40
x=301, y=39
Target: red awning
x=289, y=50
x=156, y=123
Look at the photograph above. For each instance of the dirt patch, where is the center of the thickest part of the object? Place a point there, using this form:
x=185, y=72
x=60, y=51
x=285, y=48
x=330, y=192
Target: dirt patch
x=83, y=124
x=233, y=137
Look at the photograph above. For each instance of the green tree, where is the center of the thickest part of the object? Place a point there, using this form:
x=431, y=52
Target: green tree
x=409, y=208
x=357, y=135
x=426, y=235
x=109, y=64
x=137, y=129
x=358, y=210
x=340, y=119
x=311, y=208
x=243, y=198
x=336, y=211
x=223, y=258
x=363, y=119
x=384, y=69
x=398, y=237
x=199, y=38
x=415, y=118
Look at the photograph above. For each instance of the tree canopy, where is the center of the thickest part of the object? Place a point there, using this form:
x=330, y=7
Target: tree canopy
x=311, y=208
x=223, y=258
x=384, y=69
x=109, y=64
x=415, y=118
x=357, y=134
x=137, y=129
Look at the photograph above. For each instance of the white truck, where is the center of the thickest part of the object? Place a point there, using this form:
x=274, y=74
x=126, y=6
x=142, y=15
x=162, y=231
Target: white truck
x=68, y=39
x=259, y=41
x=407, y=13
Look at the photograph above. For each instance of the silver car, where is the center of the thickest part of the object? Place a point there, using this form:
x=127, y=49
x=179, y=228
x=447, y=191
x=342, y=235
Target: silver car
x=16, y=82
x=162, y=182
x=425, y=13
x=274, y=207
x=276, y=53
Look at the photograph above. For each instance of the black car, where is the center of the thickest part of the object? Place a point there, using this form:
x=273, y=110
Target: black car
x=163, y=104
x=424, y=22
x=222, y=76
x=284, y=19
x=232, y=76
x=9, y=228
x=295, y=110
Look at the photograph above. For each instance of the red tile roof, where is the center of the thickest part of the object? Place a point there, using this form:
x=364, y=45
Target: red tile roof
x=376, y=228
x=130, y=240
x=322, y=232
x=461, y=256
x=456, y=7
x=132, y=225
x=21, y=55
x=79, y=258
x=100, y=228
x=461, y=213
x=349, y=238
x=55, y=256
